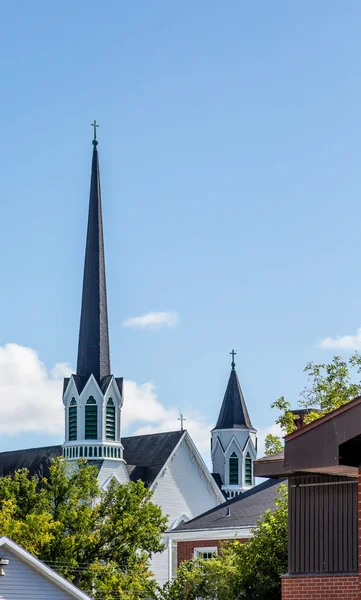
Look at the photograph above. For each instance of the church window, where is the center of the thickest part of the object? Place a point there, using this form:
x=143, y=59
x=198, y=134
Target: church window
x=233, y=469
x=95, y=451
x=90, y=451
x=86, y=452
x=73, y=418
x=100, y=451
x=91, y=419
x=110, y=420
x=76, y=451
x=248, y=470
x=81, y=451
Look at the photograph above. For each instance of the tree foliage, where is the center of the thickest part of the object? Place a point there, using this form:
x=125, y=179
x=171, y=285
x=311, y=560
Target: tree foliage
x=249, y=570
x=101, y=541
x=329, y=386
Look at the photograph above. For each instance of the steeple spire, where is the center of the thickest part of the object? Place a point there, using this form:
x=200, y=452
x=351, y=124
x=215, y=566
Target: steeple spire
x=93, y=348
x=233, y=413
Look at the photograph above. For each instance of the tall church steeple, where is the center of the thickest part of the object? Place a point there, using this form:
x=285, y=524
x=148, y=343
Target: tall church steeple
x=93, y=348
x=234, y=440
x=92, y=397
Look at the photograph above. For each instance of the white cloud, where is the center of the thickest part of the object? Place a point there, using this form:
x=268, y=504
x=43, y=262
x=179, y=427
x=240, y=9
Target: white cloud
x=30, y=397
x=31, y=401
x=346, y=342
x=153, y=320
x=143, y=413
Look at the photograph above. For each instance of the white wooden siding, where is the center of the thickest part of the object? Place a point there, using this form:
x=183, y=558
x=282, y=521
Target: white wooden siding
x=21, y=582
x=112, y=467
x=181, y=490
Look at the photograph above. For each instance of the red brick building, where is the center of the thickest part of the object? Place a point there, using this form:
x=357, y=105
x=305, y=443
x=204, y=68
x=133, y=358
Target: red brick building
x=321, y=461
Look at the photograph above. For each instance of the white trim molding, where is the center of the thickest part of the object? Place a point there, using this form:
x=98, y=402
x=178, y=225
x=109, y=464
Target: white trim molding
x=213, y=550
x=226, y=533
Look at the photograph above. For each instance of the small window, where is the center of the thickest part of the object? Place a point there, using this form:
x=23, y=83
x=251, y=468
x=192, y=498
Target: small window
x=91, y=419
x=248, y=470
x=205, y=553
x=73, y=420
x=233, y=469
x=110, y=420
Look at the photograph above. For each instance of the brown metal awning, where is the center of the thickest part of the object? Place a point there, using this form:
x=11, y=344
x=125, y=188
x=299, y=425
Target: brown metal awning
x=330, y=441
x=329, y=445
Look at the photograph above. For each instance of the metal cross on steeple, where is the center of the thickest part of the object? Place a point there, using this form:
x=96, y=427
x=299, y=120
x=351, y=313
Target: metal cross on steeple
x=181, y=419
x=95, y=128
x=233, y=364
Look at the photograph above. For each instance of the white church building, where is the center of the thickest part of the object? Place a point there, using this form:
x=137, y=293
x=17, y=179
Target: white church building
x=168, y=463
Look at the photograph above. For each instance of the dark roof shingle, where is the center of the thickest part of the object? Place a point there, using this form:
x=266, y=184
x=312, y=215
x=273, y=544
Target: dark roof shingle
x=245, y=510
x=145, y=455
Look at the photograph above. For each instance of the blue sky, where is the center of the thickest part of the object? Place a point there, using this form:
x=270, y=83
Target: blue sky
x=229, y=148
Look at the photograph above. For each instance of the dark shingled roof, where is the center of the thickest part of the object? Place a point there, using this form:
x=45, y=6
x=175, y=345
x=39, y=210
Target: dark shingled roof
x=148, y=453
x=145, y=455
x=93, y=348
x=245, y=509
x=233, y=413
x=37, y=460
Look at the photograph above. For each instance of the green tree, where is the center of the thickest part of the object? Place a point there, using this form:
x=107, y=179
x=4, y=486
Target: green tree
x=102, y=541
x=243, y=570
x=329, y=386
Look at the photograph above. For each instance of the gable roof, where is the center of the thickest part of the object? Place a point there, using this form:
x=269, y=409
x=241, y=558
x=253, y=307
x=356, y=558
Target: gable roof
x=36, y=564
x=233, y=413
x=245, y=509
x=145, y=456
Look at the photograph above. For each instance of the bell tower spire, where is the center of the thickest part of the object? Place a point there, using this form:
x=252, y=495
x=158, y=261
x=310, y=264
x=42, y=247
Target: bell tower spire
x=93, y=347
x=93, y=397
x=234, y=440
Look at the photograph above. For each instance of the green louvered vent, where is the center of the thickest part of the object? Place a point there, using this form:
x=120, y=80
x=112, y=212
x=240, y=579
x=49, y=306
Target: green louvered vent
x=91, y=419
x=248, y=470
x=73, y=419
x=110, y=420
x=233, y=469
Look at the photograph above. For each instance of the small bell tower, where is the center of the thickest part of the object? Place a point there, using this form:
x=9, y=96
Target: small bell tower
x=234, y=440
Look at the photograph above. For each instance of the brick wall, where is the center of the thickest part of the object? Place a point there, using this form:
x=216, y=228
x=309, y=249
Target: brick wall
x=185, y=550
x=321, y=587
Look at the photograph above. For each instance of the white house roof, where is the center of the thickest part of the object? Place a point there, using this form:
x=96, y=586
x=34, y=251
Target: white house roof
x=36, y=564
